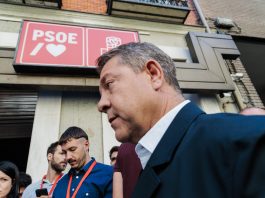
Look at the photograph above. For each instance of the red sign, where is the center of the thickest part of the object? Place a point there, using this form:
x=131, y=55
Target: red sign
x=56, y=45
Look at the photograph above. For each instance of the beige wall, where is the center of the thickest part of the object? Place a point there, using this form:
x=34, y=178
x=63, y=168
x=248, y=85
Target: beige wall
x=80, y=109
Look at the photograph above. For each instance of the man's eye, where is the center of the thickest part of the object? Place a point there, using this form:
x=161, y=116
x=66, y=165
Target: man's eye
x=72, y=149
x=108, y=84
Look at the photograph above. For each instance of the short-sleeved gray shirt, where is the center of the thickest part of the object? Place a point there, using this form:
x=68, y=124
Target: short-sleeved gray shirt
x=29, y=192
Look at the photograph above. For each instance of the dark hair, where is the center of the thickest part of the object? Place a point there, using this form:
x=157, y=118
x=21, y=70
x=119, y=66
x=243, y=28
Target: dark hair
x=11, y=170
x=136, y=55
x=113, y=149
x=72, y=133
x=24, y=180
x=52, y=148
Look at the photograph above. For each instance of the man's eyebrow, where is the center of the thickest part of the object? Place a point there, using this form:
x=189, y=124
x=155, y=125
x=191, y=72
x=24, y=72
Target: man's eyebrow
x=71, y=147
x=104, y=78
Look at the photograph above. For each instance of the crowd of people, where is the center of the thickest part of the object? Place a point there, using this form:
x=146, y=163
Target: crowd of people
x=170, y=147
x=86, y=178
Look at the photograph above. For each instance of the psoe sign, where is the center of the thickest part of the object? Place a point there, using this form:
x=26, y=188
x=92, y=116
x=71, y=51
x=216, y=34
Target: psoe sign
x=56, y=48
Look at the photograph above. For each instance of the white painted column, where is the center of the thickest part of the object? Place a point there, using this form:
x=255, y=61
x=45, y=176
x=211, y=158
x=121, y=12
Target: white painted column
x=210, y=104
x=45, y=131
x=109, y=139
x=207, y=103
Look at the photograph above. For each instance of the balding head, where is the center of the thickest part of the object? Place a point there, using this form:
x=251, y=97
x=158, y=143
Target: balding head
x=252, y=111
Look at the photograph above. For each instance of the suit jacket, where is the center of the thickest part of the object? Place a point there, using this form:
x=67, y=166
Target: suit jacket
x=207, y=156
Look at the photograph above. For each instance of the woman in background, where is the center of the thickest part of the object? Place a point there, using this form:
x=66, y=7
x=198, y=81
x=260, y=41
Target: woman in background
x=8, y=180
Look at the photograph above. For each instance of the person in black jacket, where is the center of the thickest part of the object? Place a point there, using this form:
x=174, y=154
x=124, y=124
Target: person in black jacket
x=184, y=152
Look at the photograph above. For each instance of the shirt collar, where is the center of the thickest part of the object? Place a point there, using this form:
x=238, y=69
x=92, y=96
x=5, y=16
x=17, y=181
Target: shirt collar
x=72, y=171
x=150, y=140
x=46, y=181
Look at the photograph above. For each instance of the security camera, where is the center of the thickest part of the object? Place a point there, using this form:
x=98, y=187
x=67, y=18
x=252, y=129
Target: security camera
x=237, y=76
x=224, y=23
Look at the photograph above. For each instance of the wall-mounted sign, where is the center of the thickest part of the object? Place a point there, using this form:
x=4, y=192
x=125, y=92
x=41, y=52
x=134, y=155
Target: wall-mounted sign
x=45, y=47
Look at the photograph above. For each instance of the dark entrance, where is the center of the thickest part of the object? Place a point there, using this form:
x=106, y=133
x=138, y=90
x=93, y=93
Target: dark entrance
x=17, y=109
x=15, y=150
x=252, y=56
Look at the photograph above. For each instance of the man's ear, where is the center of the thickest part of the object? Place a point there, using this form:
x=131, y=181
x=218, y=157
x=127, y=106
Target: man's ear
x=154, y=70
x=86, y=144
x=49, y=156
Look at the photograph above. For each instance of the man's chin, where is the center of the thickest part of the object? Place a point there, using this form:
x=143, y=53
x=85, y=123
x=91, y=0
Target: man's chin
x=73, y=165
x=76, y=167
x=121, y=138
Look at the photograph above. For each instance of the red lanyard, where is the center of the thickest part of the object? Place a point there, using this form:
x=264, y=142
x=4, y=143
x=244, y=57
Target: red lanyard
x=80, y=183
x=54, y=184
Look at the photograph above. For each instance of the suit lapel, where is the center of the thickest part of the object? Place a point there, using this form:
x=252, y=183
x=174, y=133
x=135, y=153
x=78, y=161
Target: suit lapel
x=174, y=134
x=149, y=180
x=146, y=184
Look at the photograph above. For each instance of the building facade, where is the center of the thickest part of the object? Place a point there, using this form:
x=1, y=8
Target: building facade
x=243, y=20
x=36, y=107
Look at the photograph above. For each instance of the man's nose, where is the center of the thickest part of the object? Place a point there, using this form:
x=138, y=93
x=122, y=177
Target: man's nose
x=103, y=104
x=68, y=156
x=64, y=158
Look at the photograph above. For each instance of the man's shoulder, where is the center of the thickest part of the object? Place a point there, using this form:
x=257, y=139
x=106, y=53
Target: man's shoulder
x=30, y=189
x=63, y=179
x=104, y=169
x=104, y=166
x=61, y=185
x=228, y=120
x=228, y=126
x=34, y=185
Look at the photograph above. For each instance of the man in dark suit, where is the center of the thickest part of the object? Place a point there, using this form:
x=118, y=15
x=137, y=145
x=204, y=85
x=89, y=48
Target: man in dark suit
x=184, y=152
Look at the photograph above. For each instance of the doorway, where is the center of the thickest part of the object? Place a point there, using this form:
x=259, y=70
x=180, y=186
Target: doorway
x=253, y=59
x=15, y=150
x=17, y=109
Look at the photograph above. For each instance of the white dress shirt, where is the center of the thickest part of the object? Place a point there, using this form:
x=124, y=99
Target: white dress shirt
x=150, y=140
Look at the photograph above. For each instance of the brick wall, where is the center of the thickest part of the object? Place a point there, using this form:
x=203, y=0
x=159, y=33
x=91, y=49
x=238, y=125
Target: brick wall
x=249, y=15
x=245, y=86
x=193, y=17
x=100, y=7
x=90, y=6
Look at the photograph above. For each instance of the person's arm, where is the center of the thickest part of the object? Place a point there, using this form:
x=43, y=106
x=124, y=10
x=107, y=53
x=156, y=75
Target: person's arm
x=117, y=185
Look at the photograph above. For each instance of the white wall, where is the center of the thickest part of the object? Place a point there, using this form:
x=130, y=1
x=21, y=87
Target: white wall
x=45, y=131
